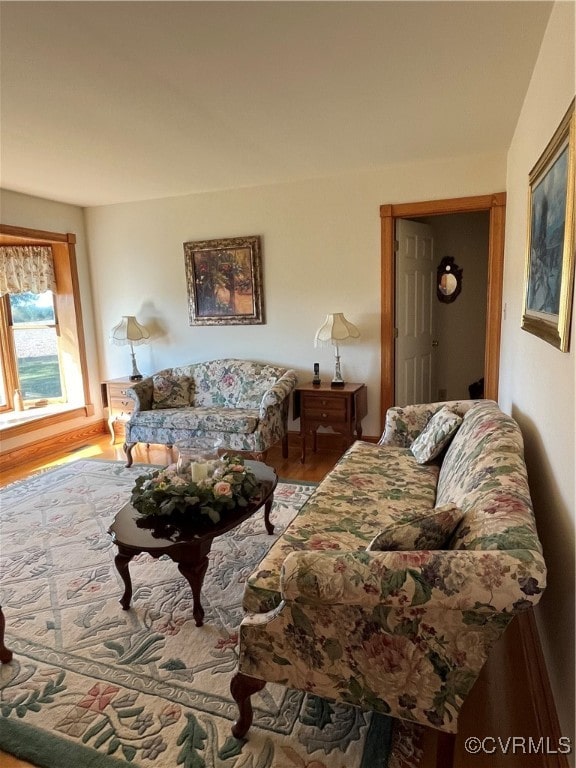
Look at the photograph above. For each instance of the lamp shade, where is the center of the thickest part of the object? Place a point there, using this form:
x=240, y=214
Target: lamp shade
x=129, y=331
x=336, y=329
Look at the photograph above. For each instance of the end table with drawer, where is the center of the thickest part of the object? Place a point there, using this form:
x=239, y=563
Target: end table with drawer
x=120, y=405
x=321, y=405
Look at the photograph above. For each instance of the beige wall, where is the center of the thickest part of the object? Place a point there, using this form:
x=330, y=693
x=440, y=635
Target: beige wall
x=321, y=253
x=537, y=381
x=36, y=213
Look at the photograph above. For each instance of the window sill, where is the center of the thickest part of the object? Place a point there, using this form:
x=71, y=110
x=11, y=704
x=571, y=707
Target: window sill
x=17, y=423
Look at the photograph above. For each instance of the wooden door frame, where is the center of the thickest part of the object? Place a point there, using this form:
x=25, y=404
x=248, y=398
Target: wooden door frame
x=495, y=205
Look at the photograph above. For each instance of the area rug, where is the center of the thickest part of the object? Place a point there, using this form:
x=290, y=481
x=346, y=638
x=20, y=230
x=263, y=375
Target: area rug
x=91, y=685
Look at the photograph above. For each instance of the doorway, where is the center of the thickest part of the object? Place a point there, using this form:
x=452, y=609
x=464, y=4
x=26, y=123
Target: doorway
x=440, y=342
x=494, y=206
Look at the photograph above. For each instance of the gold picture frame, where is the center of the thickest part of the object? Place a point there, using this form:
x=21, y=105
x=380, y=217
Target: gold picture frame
x=549, y=278
x=224, y=281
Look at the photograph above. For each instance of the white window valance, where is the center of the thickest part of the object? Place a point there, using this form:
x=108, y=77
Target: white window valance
x=26, y=268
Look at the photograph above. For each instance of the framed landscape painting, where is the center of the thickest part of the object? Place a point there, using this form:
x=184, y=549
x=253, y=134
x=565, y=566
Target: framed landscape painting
x=549, y=283
x=224, y=281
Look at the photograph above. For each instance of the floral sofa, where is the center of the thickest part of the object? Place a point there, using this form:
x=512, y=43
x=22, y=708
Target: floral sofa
x=241, y=403
x=399, y=574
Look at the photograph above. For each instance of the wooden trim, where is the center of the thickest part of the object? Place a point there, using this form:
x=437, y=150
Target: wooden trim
x=494, y=299
x=7, y=354
x=79, y=317
x=542, y=699
x=49, y=446
x=387, y=311
x=51, y=419
x=495, y=204
x=35, y=234
x=442, y=207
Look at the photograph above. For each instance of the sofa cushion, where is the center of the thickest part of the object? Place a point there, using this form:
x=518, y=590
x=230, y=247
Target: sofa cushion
x=436, y=435
x=232, y=420
x=418, y=530
x=370, y=487
x=171, y=390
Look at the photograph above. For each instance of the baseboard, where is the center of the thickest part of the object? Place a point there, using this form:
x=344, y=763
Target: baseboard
x=73, y=438
x=541, y=691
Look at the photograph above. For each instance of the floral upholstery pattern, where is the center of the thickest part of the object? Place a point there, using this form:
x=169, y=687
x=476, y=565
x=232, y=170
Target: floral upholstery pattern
x=242, y=403
x=436, y=435
x=403, y=425
x=416, y=530
x=239, y=420
x=400, y=632
x=369, y=487
x=171, y=391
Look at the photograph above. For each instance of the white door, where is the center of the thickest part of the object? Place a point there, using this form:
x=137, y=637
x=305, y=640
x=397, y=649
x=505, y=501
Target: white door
x=415, y=304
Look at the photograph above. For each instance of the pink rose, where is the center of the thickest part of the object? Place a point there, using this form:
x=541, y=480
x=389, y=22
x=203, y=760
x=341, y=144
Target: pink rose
x=222, y=489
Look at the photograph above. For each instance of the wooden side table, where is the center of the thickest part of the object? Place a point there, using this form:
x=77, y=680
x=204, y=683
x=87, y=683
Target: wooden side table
x=120, y=405
x=341, y=408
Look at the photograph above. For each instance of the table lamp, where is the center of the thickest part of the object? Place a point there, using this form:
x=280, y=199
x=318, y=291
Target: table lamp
x=129, y=331
x=334, y=330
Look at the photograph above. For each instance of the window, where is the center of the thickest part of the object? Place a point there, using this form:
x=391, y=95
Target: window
x=34, y=355
x=42, y=343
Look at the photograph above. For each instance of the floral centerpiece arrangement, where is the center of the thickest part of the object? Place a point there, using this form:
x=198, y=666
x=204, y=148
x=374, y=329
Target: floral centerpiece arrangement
x=195, y=491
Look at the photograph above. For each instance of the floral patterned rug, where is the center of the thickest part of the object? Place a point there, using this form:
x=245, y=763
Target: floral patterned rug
x=93, y=685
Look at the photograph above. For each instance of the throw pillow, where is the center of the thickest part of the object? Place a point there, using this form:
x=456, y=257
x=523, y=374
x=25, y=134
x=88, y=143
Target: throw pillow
x=428, y=529
x=436, y=435
x=171, y=391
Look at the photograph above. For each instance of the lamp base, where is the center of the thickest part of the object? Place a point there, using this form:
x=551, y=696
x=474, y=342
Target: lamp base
x=135, y=375
x=337, y=381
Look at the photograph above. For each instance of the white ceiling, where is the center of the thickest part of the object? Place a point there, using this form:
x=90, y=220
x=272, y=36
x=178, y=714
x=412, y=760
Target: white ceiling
x=106, y=102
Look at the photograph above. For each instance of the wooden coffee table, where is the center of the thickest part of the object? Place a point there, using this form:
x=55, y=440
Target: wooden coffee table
x=188, y=545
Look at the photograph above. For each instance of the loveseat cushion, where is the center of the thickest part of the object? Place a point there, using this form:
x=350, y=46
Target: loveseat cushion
x=431, y=529
x=436, y=435
x=231, y=383
x=370, y=487
x=232, y=420
x=171, y=390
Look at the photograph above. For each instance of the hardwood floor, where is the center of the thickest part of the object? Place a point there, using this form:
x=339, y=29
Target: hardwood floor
x=502, y=703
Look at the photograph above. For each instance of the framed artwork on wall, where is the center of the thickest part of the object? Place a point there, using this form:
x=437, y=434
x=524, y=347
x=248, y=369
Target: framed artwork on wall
x=224, y=281
x=549, y=281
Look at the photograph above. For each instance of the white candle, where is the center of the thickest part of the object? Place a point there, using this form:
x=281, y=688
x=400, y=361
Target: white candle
x=198, y=471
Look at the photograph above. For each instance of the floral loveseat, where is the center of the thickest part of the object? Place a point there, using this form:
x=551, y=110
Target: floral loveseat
x=373, y=597
x=242, y=403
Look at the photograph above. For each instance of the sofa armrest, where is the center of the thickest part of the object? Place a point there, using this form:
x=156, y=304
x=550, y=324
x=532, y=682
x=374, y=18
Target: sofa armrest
x=277, y=393
x=142, y=392
x=482, y=581
x=403, y=425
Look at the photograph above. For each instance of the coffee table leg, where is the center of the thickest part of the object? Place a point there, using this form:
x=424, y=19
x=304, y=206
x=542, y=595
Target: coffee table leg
x=5, y=653
x=121, y=562
x=267, y=510
x=194, y=573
